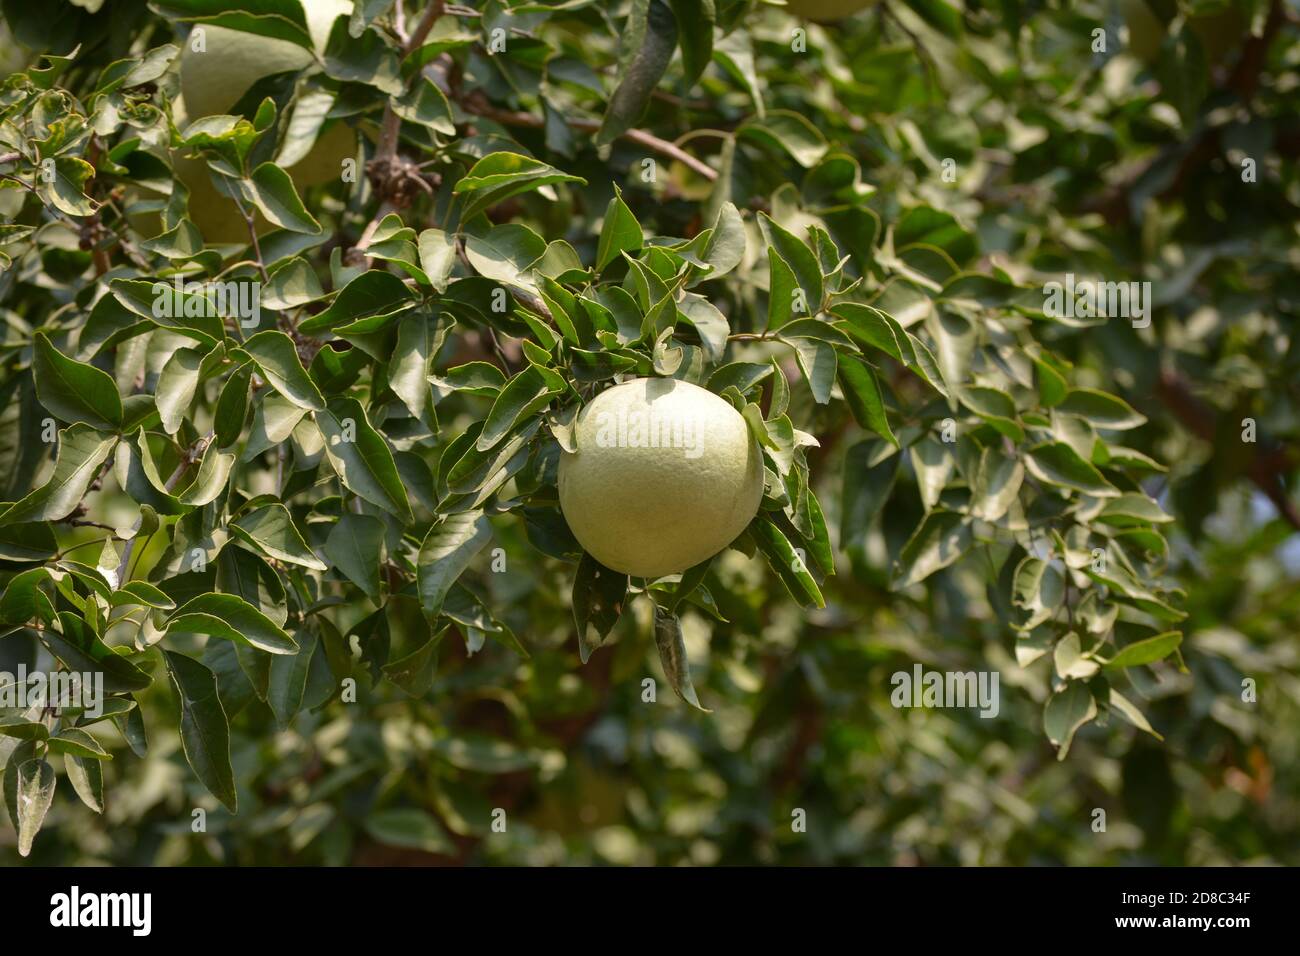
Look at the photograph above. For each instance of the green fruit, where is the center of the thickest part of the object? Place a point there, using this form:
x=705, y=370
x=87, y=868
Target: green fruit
x=827, y=11
x=213, y=81
x=666, y=474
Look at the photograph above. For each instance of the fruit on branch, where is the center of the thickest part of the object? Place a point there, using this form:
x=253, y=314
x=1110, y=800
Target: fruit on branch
x=827, y=11
x=666, y=474
x=212, y=82
x=1148, y=21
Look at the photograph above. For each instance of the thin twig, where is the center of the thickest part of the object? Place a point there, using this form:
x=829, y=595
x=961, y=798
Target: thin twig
x=480, y=107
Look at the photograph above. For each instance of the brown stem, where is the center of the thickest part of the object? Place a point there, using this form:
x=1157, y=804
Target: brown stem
x=1267, y=471
x=480, y=107
x=1114, y=205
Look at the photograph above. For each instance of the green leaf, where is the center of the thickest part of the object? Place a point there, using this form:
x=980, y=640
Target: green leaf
x=727, y=242
x=672, y=654
x=446, y=552
x=940, y=539
x=82, y=452
x=943, y=15
x=81, y=650
x=230, y=618
x=1101, y=409
x=419, y=336
x=241, y=572
x=801, y=259
x=195, y=314
x=741, y=375
x=281, y=19
x=1067, y=710
x=1051, y=384
x=818, y=362
x=371, y=293
x=641, y=74
x=232, y=407
x=366, y=58
x=361, y=457
x=868, y=480
x=270, y=529
x=1146, y=651
x=205, y=732
x=354, y=547
x=997, y=484
x=781, y=285
x=177, y=383
x=413, y=653
x=619, y=233
x=437, y=257
x=599, y=597
x=1038, y=590
x=273, y=192
x=1130, y=712
x=87, y=779
x=67, y=191
x=474, y=469
x=74, y=391
x=862, y=393
x=932, y=460
x=142, y=594
x=182, y=241
x=293, y=283
x=22, y=597
x=277, y=359
x=788, y=131
x=735, y=54
x=74, y=741
x=288, y=681
x=696, y=40
x=505, y=252
x=524, y=395
x=500, y=175
x=995, y=407
x=274, y=420
x=1058, y=464
x=409, y=828
x=1133, y=509
x=426, y=105
x=789, y=566
x=21, y=728
x=708, y=321
x=33, y=792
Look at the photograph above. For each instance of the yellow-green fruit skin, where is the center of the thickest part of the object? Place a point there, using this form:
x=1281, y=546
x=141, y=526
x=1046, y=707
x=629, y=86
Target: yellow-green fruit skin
x=827, y=11
x=212, y=81
x=666, y=474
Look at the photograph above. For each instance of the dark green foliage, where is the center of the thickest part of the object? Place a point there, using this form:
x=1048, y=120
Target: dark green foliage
x=315, y=551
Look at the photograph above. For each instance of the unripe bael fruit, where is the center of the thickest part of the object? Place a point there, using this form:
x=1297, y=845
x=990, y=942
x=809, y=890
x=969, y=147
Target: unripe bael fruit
x=666, y=474
x=213, y=81
x=827, y=11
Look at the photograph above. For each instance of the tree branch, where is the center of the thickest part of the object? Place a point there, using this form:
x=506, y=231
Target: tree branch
x=1267, y=470
x=1115, y=202
x=478, y=105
